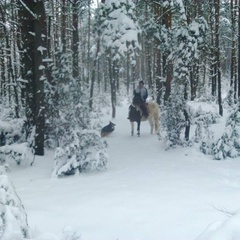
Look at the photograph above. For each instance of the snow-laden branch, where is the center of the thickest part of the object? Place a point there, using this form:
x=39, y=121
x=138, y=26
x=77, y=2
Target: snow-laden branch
x=24, y=5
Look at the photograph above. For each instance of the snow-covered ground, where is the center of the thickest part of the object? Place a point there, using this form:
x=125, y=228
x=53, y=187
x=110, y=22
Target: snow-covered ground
x=146, y=193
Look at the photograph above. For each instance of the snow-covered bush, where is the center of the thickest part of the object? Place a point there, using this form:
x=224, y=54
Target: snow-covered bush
x=85, y=153
x=229, y=99
x=175, y=117
x=11, y=131
x=19, y=153
x=12, y=141
x=228, y=145
x=203, y=134
x=68, y=233
x=13, y=218
x=173, y=121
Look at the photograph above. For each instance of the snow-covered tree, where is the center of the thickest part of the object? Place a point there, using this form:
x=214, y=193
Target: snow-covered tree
x=85, y=152
x=187, y=42
x=80, y=147
x=120, y=36
x=228, y=145
x=13, y=218
x=203, y=134
x=120, y=29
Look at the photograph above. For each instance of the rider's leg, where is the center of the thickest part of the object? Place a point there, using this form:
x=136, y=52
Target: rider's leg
x=144, y=109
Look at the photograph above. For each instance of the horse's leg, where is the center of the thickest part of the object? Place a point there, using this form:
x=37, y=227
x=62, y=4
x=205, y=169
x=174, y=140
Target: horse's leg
x=150, y=120
x=132, y=128
x=138, y=128
x=156, y=126
x=156, y=121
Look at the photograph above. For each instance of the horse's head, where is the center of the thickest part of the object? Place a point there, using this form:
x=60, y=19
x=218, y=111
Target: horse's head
x=137, y=100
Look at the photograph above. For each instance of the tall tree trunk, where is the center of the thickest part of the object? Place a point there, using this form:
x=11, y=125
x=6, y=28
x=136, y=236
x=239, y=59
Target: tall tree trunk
x=167, y=65
x=2, y=67
x=238, y=49
x=233, y=72
x=75, y=40
x=88, y=43
x=217, y=17
x=158, y=56
x=93, y=78
x=27, y=16
x=40, y=52
x=64, y=25
x=128, y=73
x=149, y=65
x=235, y=54
x=3, y=45
x=213, y=50
x=158, y=77
x=34, y=21
x=112, y=75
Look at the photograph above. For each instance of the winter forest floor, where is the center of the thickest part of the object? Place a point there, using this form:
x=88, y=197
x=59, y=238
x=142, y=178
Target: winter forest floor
x=146, y=193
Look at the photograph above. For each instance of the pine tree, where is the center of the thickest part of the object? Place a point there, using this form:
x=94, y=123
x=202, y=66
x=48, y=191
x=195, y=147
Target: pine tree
x=228, y=145
x=77, y=140
x=187, y=42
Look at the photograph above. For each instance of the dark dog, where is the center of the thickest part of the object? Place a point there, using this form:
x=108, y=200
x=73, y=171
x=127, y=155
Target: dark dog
x=107, y=129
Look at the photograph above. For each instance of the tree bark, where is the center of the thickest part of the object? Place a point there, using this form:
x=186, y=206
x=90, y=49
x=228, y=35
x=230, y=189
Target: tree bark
x=167, y=65
x=238, y=49
x=218, y=70
x=112, y=75
x=34, y=47
x=75, y=40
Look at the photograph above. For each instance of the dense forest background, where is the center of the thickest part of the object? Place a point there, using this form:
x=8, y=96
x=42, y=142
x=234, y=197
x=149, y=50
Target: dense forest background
x=62, y=60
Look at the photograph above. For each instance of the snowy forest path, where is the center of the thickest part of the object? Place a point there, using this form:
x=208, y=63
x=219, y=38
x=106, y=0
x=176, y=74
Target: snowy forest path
x=144, y=193
x=131, y=151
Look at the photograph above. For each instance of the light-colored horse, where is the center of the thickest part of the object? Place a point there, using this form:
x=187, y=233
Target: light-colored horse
x=135, y=115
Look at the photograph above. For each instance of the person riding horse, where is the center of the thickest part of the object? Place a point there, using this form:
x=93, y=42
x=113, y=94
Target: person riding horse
x=142, y=91
x=138, y=111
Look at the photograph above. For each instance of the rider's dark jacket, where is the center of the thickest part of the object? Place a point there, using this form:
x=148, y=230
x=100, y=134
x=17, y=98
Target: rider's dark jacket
x=143, y=92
